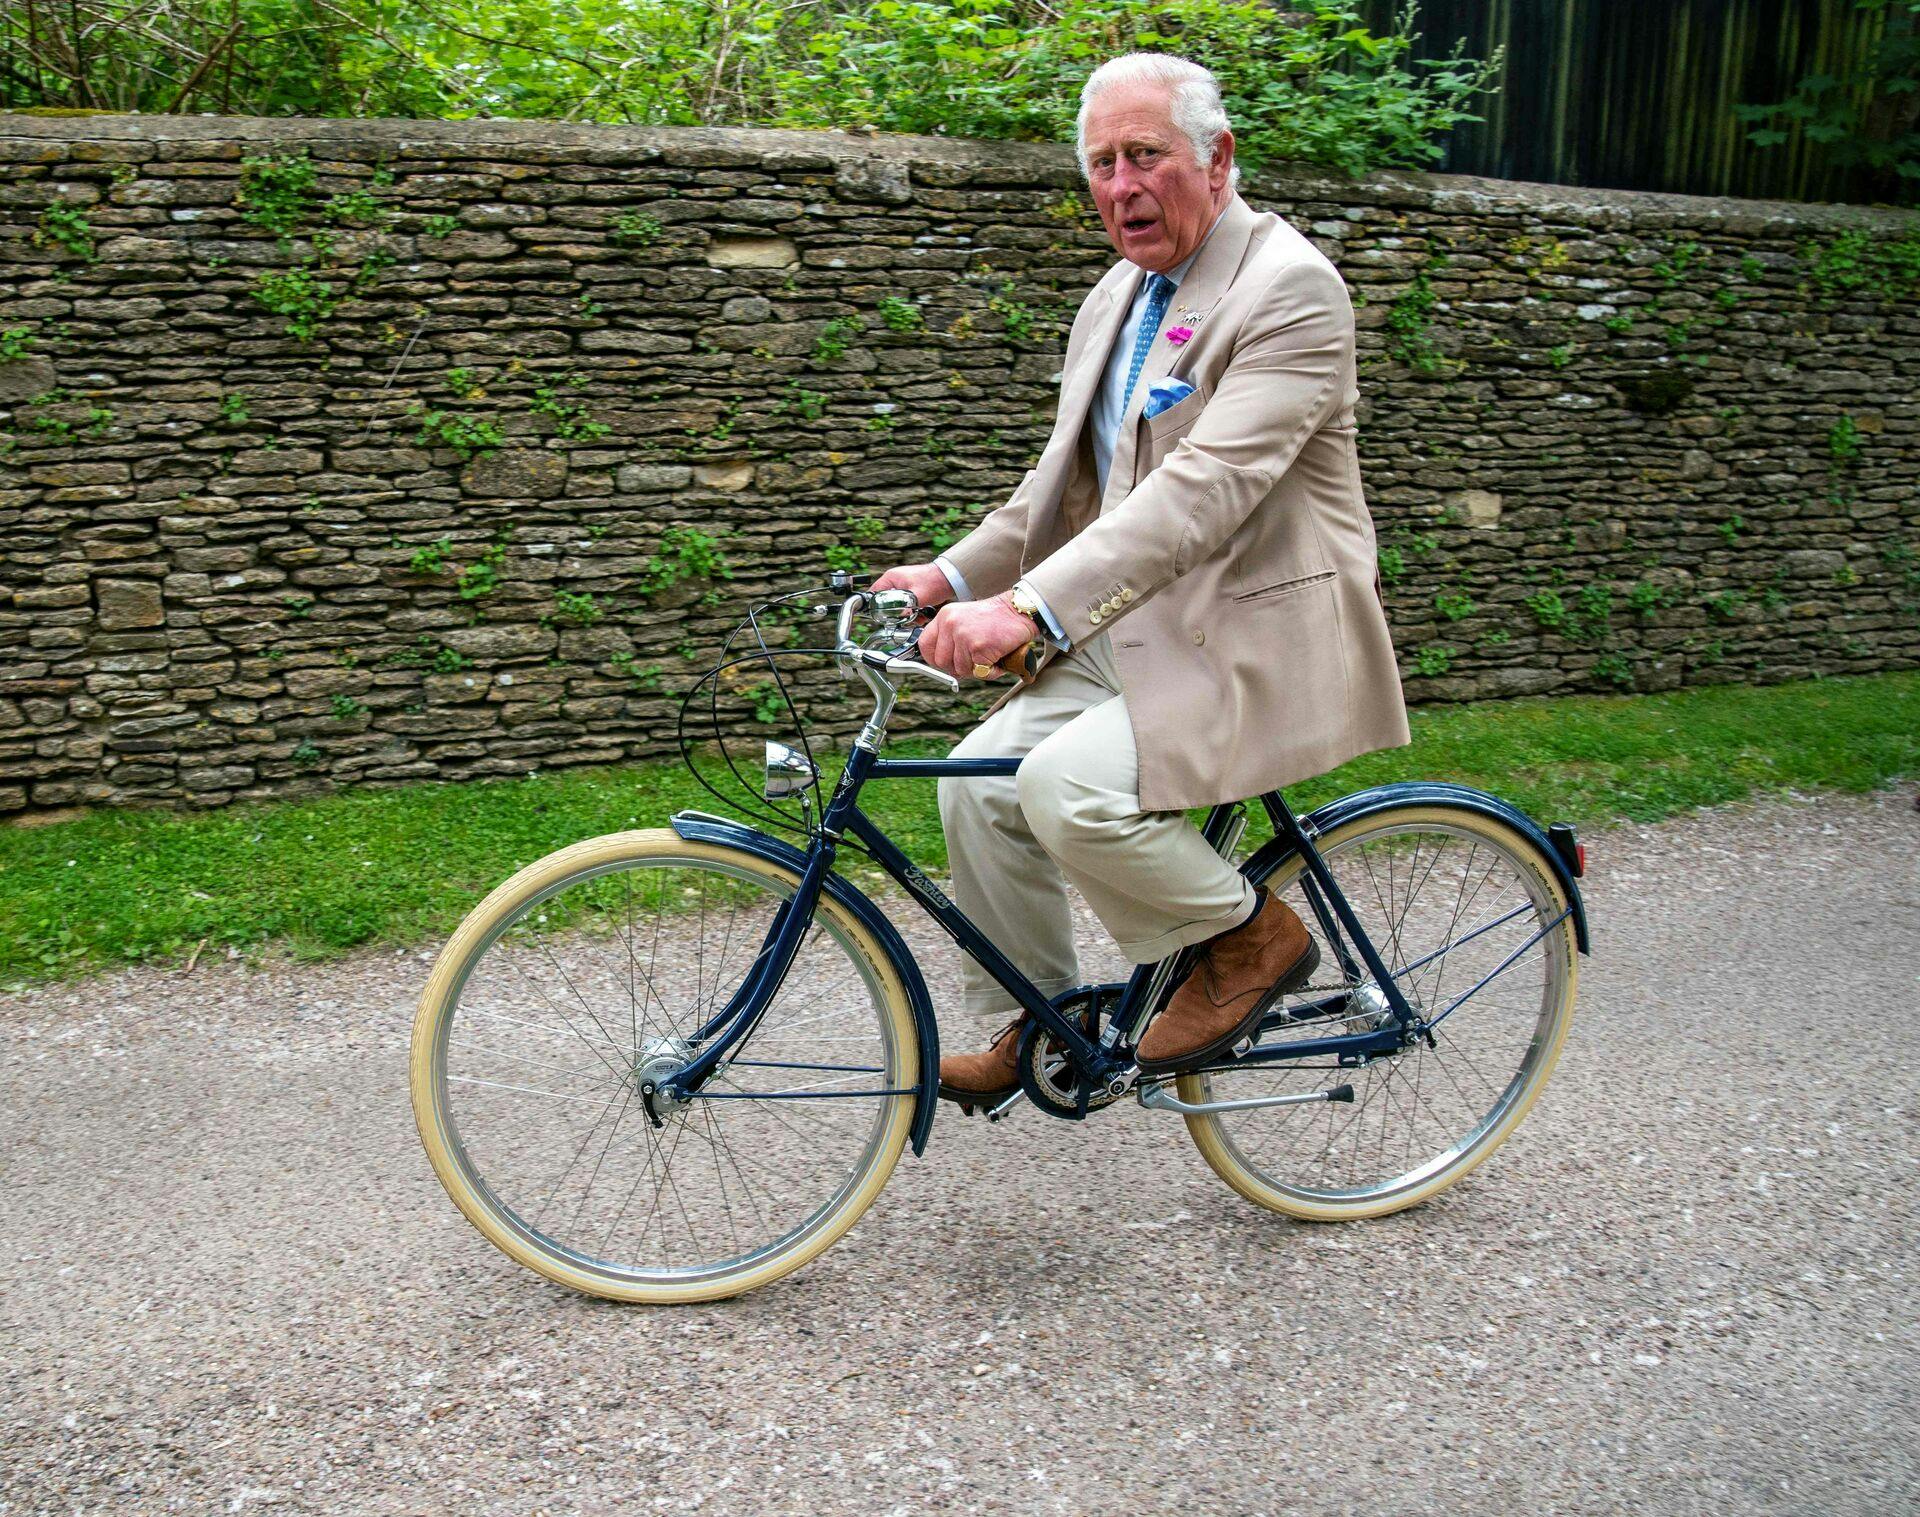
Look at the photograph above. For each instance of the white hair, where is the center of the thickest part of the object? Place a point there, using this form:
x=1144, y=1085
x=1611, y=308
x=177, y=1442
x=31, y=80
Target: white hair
x=1197, y=111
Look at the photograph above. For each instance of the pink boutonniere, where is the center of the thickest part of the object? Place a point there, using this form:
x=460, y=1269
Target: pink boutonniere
x=1178, y=335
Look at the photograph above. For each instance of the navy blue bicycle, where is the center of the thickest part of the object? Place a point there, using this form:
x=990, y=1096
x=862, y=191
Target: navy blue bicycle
x=676, y=1063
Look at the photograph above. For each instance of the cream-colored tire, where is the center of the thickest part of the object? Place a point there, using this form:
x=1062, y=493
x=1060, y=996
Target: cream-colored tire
x=576, y=982
x=1419, y=878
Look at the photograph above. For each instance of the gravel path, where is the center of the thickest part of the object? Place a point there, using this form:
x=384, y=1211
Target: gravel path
x=232, y=1284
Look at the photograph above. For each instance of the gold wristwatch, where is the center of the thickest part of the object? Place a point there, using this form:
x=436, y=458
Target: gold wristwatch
x=1027, y=604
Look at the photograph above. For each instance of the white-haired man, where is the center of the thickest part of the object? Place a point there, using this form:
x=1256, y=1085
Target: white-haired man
x=1195, y=539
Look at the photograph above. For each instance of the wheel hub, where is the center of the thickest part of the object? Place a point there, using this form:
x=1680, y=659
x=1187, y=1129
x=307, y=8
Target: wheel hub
x=660, y=1059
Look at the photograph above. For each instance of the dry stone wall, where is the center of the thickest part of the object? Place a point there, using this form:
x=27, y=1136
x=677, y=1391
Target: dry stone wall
x=350, y=452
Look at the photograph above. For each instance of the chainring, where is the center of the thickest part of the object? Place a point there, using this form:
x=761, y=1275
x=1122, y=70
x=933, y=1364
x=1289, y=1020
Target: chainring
x=1046, y=1074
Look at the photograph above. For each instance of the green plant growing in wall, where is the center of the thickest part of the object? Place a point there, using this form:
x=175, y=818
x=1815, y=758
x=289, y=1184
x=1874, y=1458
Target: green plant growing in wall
x=1393, y=563
x=1410, y=318
x=1614, y=669
x=1018, y=321
x=432, y=559
x=64, y=225
x=346, y=708
x=1861, y=264
x=233, y=408
x=1647, y=598
x=1433, y=660
x=1731, y=528
x=482, y=577
x=581, y=609
x=297, y=294
x=572, y=420
x=15, y=343
x=298, y=607
x=1619, y=322
x=437, y=227
x=466, y=435
x=1843, y=440
x=1673, y=268
x=1454, y=605
x=901, y=315
x=810, y=404
x=945, y=527
x=306, y=755
x=1726, y=605
x=277, y=192
x=835, y=338
x=636, y=229
x=685, y=553
x=768, y=704
x=358, y=207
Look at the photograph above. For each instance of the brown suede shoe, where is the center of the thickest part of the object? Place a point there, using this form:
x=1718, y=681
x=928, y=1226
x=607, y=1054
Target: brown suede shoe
x=1235, y=978
x=984, y=1079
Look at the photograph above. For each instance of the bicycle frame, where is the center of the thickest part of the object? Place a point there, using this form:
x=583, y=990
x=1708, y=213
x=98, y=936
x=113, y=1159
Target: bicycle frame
x=1101, y=1063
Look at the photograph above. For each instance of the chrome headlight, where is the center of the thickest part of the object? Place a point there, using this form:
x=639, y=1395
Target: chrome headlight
x=788, y=772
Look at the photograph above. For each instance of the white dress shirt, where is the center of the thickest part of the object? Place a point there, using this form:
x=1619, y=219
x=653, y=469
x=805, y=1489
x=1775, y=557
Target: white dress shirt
x=1108, y=411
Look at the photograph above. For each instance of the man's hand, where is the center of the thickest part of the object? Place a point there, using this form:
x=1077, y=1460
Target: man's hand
x=928, y=582
x=975, y=632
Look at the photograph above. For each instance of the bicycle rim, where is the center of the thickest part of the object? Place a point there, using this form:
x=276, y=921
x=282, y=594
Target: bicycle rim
x=1463, y=911
x=593, y=971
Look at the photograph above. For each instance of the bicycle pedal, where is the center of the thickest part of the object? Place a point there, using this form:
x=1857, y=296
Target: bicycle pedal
x=1242, y=1048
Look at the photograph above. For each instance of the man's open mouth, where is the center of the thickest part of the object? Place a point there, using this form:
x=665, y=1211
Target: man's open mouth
x=1139, y=223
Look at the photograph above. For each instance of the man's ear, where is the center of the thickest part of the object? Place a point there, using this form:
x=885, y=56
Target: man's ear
x=1222, y=166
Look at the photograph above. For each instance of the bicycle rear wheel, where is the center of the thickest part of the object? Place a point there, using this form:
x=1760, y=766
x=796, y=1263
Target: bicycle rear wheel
x=598, y=967
x=1470, y=918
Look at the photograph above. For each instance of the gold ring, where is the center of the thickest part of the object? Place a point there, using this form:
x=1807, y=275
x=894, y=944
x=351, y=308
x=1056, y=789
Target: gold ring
x=983, y=671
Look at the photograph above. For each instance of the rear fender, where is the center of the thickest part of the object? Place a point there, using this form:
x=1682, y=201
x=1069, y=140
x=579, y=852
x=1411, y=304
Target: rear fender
x=698, y=827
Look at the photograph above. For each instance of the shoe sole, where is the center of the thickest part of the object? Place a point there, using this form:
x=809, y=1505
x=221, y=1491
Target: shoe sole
x=966, y=1100
x=1292, y=980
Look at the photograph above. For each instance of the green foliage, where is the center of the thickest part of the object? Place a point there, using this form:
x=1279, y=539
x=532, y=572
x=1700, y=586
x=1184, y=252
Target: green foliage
x=1843, y=440
x=1860, y=118
x=945, y=527
x=431, y=559
x=580, y=609
x=1858, y=264
x=64, y=225
x=357, y=206
x=686, y=553
x=636, y=229
x=1619, y=322
x=1433, y=660
x=1559, y=357
x=1409, y=317
x=346, y=708
x=278, y=192
x=571, y=418
x=306, y=756
x=901, y=315
x=466, y=435
x=62, y=429
x=1615, y=669
x=1731, y=528
x=1393, y=563
x=1726, y=605
x=834, y=339
x=15, y=343
x=1309, y=83
x=297, y=607
x=1673, y=268
x=768, y=704
x=439, y=226
x=1454, y=604
x=1017, y=319
x=295, y=293
x=1646, y=597
x=233, y=409
x=481, y=578
x=810, y=404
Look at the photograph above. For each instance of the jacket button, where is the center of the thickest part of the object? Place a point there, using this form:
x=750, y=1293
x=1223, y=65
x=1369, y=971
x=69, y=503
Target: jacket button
x=1094, y=616
x=1126, y=595
x=1199, y=638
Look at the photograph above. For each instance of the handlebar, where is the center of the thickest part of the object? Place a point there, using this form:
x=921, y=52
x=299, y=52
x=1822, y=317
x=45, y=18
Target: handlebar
x=889, y=609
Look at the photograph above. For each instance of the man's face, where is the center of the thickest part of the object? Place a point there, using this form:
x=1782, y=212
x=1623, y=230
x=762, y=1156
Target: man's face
x=1155, y=199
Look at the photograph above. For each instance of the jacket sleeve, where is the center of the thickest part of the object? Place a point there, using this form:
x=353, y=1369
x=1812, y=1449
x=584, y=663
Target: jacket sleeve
x=1285, y=378
x=988, y=557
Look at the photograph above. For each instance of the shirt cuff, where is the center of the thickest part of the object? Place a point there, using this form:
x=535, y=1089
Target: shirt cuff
x=954, y=577
x=1054, y=628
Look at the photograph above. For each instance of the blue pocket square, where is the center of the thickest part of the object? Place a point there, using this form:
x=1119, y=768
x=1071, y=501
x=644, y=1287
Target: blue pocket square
x=1163, y=393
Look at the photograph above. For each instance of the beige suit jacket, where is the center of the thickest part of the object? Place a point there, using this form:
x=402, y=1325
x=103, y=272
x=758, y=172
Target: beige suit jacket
x=1232, y=558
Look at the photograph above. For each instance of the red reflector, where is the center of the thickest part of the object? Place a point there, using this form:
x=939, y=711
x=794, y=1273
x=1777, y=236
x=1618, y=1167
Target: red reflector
x=1580, y=852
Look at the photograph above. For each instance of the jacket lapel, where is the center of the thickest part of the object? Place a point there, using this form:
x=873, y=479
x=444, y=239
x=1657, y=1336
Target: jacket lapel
x=1193, y=302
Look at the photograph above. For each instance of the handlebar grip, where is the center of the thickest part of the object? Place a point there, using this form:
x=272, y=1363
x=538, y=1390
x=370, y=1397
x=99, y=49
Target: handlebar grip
x=1024, y=663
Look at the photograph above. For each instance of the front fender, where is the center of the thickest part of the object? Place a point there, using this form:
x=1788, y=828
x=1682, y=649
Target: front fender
x=696, y=826
x=1429, y=793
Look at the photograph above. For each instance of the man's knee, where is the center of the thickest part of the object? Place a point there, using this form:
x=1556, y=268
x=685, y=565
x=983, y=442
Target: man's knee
x=1060, y=807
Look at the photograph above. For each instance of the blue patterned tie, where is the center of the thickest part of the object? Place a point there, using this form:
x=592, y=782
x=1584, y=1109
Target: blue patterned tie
x=1159, y=292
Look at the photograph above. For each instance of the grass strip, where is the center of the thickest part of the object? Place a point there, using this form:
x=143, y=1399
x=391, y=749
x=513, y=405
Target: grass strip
x=403, y=866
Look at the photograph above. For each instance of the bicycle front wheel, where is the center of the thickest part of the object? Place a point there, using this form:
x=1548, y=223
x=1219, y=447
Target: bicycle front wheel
x=1471, y=920
x=600, y=967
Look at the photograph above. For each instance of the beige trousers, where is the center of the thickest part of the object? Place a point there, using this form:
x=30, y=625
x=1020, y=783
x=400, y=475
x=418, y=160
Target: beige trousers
x=1073, y=813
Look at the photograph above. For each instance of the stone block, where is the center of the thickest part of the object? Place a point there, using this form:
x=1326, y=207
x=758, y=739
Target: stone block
x=515, y=473
x=733, y=475
x=130, y=603
x=752, y=253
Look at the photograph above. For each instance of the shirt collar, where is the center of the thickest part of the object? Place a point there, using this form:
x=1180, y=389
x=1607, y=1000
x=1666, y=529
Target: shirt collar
x=1179, y=271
